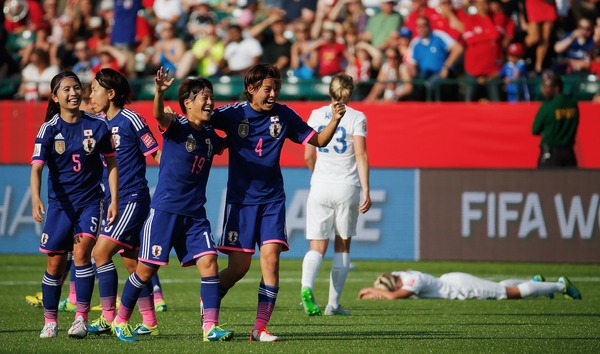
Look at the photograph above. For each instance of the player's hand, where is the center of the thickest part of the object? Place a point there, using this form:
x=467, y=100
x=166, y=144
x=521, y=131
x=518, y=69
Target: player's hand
x=366, y=204
x=162, y=81
x=339, y=109
x=170, y=113
x=38, y=210
x=112, y=213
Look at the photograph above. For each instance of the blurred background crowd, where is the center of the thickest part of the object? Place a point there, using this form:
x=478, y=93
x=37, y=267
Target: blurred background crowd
x=417, y=50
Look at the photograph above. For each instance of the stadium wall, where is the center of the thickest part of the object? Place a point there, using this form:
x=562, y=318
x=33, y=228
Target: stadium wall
x=433, y=214
x=405, y=135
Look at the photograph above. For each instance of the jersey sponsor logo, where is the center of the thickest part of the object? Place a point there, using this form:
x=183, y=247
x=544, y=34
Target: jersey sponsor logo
x=148, y=140
x=275, y=129
x=243, y=130
x=37, y=150
x=44, y=239
x=156, y=251
x=232, y=236
x=89, y=144
x=190, y=144
x=60, y=146
x=59, y=136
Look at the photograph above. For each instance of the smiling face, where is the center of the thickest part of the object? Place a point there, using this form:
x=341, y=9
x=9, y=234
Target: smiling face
x=99, y=98
x=68, y=94
x=265, y=94
x=200, y=105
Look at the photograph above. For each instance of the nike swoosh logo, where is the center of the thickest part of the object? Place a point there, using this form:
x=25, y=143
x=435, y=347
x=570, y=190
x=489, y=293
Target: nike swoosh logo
x=213, y=335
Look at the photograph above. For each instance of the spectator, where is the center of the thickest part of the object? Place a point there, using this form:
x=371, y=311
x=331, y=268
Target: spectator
x=556, y=121
x=350, y=13
x=169, y=11
x=482, y=41
x=240, y=53
x=85, y=62
x=443, y=18
x=22, y=15
x=303, y=58
x=36, y=77
x=514, y=73
x=169, y=49
x=201, y=16
x=331, y=53
x=541, y=15
x=42, y=34
x=575, y=48
x=112, y=58
x=394, y=82
x=63, y=52
x=298, y=9
x=382, y=24
x=432, y=54
x=270, y=33
x=363, y=63
x=123, y=32
x=206, y=54
x=82, y=18
x=99, y=36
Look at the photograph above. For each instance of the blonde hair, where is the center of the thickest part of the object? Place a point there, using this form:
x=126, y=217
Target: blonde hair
x=341, y=87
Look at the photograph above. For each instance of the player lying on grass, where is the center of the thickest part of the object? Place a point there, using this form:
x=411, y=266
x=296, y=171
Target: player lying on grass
x=462, y=286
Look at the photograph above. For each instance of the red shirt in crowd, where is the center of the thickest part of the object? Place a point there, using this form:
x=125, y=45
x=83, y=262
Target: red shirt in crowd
x=482, y=39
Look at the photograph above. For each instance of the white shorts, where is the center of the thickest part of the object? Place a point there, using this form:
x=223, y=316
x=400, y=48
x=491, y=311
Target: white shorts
x=466, y=286
x=332, y=209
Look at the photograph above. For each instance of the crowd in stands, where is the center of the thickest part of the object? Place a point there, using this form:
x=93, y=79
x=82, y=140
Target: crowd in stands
x=394, y=50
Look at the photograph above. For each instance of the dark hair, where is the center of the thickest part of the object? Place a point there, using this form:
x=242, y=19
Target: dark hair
x=189, y=88
x=113, y=80
x=42, y=55
x=553, y=79
x=257, y=74
x=53, y=107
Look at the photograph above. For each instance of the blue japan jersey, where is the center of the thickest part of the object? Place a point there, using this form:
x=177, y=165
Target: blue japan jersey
x=185, y=163
x=255, y=141
x=72, y=153
x=133, y=141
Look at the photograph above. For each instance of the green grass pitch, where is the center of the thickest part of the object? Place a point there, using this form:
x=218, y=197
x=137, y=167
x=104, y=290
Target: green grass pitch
x=534, y=325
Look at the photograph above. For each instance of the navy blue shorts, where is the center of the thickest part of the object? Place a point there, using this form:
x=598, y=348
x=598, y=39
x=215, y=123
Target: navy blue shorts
x=189, y=236
x=246, y=226
x=62, y=225
x=127, y=229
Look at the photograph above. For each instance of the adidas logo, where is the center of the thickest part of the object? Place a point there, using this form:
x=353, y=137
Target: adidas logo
x=59, y=136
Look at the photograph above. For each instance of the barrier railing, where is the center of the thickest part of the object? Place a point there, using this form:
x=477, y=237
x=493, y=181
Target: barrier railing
x=230, y=88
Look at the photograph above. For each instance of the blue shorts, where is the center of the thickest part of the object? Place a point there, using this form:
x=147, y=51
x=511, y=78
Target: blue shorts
x=190, y=236
x=246, y=226
x=126, y=231
x=62, y=225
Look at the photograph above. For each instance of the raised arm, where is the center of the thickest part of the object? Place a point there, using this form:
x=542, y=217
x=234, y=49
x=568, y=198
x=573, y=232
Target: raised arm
x=323, y=137
x=162, y=83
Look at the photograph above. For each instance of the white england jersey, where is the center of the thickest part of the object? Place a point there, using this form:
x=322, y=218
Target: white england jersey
x=336, y=163
x=451, y=286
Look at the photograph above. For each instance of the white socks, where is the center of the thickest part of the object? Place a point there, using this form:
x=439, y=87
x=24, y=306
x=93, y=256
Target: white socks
x=310, y=267
x=532, y=288
x=337, y=280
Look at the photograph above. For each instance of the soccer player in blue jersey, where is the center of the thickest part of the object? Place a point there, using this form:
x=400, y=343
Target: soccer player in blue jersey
x=255, y=211
x=177, y=216
x=70, y=143
x=133, y=141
